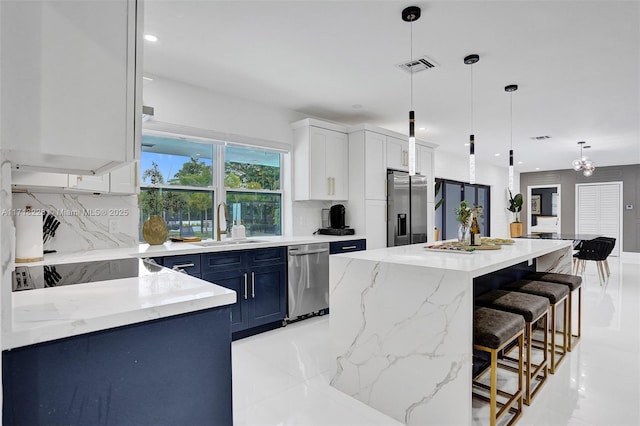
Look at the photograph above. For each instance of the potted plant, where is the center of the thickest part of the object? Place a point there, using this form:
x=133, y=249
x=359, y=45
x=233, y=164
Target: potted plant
x=515, y=205
x=154, y=229
x=464, y=214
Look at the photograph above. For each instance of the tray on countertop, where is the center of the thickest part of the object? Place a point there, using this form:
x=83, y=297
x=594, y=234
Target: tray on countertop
x=185, y=239
x=498, y=241
x=457, y=248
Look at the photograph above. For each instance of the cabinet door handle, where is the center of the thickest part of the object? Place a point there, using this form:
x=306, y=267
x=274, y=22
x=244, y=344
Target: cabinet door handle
x=253, y=285
x=333, y=186
x=328, y=186
x=246, y=292
x=349, y=247
x=182, y=266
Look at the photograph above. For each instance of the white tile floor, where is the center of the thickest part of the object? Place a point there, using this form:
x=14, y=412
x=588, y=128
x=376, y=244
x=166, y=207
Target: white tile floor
x=282, y=377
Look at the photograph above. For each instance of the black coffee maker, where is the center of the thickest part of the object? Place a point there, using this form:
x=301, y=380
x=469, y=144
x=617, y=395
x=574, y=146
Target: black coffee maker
x=337, y=224
x=336, y=216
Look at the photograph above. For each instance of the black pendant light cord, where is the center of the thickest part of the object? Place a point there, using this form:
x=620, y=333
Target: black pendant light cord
x=411, y=56
x=471, y=99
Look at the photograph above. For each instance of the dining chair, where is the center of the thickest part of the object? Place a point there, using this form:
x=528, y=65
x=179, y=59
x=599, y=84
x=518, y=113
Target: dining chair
x=596, y=250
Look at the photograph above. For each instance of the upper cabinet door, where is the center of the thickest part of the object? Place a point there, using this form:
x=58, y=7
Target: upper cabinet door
x=337, y=165
x=321, y=164
x=69, y=83
x=375, y=169
x=397, y=154
x=125, y=179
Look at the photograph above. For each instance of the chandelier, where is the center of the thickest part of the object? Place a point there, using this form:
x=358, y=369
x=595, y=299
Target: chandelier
x=583, y=163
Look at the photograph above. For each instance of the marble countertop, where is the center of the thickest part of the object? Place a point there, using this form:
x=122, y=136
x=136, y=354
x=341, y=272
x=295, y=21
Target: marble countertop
x=46, y=314
x=173, y=249
x=477, y=263
x=41, y=315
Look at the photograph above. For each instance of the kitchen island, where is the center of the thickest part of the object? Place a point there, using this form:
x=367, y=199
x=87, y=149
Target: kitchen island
x=401, y=323
x=154, y=348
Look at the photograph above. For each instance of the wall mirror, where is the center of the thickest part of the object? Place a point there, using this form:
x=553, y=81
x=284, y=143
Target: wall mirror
x=544, y=209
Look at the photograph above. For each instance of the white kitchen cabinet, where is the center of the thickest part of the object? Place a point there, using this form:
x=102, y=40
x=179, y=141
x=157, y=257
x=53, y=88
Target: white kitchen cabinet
x=321, y=162
x=375, y=172
x=21, y=179
x=397, y=153
x=424, y=166
x=70, y=84
x=125, y=180
x=376, y=223
x=98, y=183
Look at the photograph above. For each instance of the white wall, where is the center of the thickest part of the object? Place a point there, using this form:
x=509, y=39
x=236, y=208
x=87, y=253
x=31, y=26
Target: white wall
x=186, y=105
x=456, y=167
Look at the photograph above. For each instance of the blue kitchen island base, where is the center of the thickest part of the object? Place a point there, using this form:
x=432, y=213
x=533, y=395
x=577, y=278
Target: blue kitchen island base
x=171, y=371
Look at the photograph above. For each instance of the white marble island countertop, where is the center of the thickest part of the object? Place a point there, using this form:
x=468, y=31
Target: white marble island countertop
x=476, y=263
x=46, y=314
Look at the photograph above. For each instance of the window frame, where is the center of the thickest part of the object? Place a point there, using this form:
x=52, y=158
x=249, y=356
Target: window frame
x=218, y=190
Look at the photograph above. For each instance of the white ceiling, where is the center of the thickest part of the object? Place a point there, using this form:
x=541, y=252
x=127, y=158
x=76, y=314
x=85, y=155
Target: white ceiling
x=577, y=64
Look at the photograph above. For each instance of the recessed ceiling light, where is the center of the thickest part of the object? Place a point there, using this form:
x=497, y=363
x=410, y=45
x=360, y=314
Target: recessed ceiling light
x=147, y=78
x=519, y=162
x=537, y=168
x=496, y=154
x=466, y=144
x=421, y=128
x=151, y=38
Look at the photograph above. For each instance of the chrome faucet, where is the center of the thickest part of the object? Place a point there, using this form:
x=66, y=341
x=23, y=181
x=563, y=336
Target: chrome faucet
x=223, y=205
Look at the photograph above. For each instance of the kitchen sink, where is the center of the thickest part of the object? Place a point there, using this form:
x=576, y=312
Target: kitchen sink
x=214, y=243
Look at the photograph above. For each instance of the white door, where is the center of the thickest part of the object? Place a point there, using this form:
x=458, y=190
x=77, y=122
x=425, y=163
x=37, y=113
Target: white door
x=599, y=210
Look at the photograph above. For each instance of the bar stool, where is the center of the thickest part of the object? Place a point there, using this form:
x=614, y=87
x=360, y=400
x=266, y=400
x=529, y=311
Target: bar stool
x=494, y=330
x=533, y=309
x=574, y=282
x=557, y=294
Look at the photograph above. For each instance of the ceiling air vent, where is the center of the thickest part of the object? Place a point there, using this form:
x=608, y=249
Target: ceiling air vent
x=540, y=138
x=417, y=64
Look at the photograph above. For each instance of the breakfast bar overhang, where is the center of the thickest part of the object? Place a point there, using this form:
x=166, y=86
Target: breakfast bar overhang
x=401, y=323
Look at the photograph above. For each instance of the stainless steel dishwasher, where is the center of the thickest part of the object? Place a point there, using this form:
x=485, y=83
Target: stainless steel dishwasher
x=308, y=285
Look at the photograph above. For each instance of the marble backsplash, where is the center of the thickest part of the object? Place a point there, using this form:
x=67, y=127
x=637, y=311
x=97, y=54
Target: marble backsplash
x=87, y=222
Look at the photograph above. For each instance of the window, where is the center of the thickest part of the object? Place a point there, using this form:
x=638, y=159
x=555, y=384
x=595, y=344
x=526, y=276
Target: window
x=252, y=184
x=177, y=182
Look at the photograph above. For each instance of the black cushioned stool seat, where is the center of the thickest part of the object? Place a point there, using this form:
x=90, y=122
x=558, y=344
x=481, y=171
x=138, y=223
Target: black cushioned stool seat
x=557, y=294
x=574, y=282
x=533, y=309
x=493, y=330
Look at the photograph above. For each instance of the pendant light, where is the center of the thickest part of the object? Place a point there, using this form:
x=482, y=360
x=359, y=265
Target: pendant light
x=583, y=163
x=510, y=89
x=470, y=60
x=411, y=14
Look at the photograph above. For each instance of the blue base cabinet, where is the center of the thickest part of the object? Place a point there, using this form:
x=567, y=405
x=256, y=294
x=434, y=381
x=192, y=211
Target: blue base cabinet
x=259, y=278
x=170, y=371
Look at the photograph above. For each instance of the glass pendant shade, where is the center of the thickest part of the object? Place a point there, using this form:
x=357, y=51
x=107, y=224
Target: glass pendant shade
x=472, y=159
x=510, y=170
x=577, y=165
x=412, y=144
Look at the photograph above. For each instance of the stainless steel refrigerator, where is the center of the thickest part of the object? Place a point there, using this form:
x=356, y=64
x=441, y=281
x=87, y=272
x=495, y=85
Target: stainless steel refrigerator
x=406, y=208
